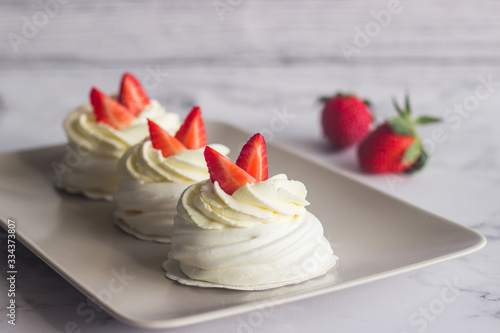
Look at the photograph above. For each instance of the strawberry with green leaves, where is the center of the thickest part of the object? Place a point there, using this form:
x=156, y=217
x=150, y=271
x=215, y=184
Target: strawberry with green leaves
x=394, y=146
x=251, y=166
x=346, y=120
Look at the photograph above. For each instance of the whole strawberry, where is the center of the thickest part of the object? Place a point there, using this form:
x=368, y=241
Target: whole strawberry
x=395, y=146
x=346, y=120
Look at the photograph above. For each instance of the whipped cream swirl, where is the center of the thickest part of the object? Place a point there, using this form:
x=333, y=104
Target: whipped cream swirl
x=151, y=186
x=102, y=140
x=147, y=164
x=260, y=237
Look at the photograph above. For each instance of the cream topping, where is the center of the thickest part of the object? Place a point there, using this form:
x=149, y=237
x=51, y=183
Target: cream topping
x=102, y=140
x=275, y=200
x=146, y=164
x=261, y=236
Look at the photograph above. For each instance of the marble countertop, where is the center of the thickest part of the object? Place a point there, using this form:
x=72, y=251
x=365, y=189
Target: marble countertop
x=243, y=61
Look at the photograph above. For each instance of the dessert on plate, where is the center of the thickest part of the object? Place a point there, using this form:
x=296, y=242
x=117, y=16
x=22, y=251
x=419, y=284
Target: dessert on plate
x=155, y=172
x=101, y=131
x=244, y=230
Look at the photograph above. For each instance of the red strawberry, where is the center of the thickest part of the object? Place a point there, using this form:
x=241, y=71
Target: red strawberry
x=163, y=141
x=108, y=111
x=346, y=120
x=253, y=157
x=394, y=146
x=132, y=95
x=383, y=150
x=224, y=171
x=192, y=132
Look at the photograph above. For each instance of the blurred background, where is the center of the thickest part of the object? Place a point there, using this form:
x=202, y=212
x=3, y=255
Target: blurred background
x=237, y=57
x=245, y=62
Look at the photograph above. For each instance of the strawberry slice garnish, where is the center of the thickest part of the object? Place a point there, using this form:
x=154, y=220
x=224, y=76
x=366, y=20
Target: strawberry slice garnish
x=253, y=158
x=192, y=132
x=108, y=111
x=224, y=171
x=163, y=141
x=132, y=95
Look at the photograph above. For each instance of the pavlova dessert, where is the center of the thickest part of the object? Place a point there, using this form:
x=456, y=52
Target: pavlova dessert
x=100, y=132
x=155, y=172
x=243, y=230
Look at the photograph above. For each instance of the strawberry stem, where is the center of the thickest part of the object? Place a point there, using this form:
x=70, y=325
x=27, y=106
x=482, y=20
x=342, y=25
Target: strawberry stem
x=407, y=105
x=404, y=125
x=396, y=106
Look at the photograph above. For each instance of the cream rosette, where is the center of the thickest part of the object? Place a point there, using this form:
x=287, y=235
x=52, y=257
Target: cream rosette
x=151, y=186
x=259, y=237
x=96, y=148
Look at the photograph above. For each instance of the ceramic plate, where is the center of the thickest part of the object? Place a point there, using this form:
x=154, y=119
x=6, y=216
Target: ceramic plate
x=375, y=236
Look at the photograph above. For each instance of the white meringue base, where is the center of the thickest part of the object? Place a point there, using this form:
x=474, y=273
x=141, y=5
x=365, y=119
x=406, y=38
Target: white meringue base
x=150, y=238
x=173, y=272
x=255, y=257
x=93, y=176
x=147, y=210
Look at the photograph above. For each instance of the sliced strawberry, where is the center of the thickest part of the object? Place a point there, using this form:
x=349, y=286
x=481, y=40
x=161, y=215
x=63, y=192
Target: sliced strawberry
x=253, y=157
x=132, y=95
x=163, y=141
x=192, y=132
x=224, y=171
x=108, y=111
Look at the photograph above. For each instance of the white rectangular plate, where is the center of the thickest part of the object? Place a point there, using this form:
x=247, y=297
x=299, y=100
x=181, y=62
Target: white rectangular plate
x=375, y=236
